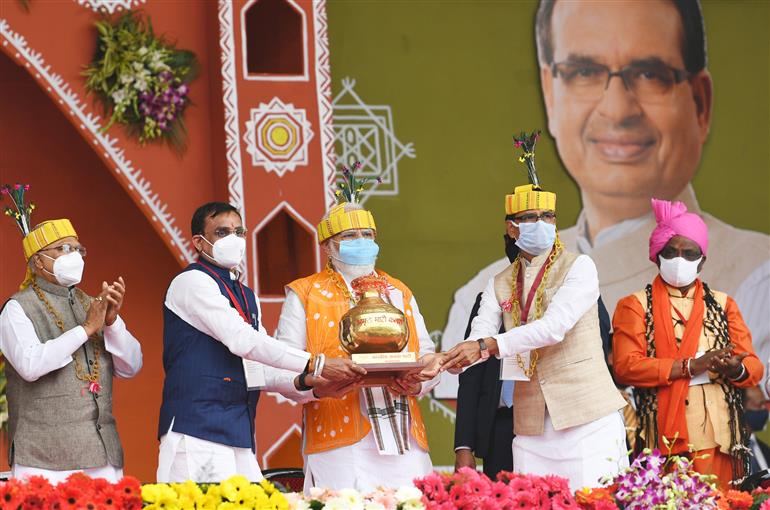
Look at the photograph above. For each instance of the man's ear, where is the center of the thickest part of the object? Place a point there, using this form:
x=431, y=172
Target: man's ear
x=325, y=247
x=546, y=84
x=511, y=230
x=198, y=241
x=703, y=94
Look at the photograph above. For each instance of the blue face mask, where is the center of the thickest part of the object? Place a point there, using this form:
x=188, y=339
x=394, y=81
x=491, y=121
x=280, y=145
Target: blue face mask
x=536, y=238
x=359, y=252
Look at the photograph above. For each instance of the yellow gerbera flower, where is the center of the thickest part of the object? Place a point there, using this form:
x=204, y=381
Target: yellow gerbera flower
x=232, y=487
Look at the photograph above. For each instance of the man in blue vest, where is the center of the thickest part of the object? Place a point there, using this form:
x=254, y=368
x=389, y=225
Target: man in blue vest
x=211, y=325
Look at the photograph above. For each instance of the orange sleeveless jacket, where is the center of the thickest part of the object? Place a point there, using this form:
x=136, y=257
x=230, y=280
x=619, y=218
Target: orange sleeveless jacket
x=332, y=423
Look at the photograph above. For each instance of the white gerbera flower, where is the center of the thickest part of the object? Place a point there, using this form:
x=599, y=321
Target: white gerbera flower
x=408, y=494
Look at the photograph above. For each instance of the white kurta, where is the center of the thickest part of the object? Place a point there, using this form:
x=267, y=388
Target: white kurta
x=359, y=466
x=194, y=297
x=750, y=291
x=33, y=359
x=578, y=453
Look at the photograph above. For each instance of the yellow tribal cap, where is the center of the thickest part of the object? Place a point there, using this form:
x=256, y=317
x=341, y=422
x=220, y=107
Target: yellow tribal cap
x=46, y=233
x=529, y=197
x=339, y=221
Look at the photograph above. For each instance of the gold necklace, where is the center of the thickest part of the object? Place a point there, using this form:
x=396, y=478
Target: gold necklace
x=91, y=378
x=340, y=285
x=516, y=310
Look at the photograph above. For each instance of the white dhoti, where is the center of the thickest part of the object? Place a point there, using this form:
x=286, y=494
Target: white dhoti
x=584, y=454
x=184, y=457
x=361, y=467
x=108, y=472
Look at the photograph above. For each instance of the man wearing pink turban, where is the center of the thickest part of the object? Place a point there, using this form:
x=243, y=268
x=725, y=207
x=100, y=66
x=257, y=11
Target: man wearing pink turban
x=686, y=350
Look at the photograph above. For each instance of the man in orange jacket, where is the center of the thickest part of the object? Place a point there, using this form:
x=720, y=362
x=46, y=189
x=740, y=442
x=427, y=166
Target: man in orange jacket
x=686, y=350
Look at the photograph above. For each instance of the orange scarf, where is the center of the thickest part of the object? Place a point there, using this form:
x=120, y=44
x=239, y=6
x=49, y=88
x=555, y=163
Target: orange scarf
x=671, y=399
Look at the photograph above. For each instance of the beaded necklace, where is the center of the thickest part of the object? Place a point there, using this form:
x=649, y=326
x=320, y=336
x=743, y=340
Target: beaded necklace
x=516, y=306
x=91, y=378
x=340, y=285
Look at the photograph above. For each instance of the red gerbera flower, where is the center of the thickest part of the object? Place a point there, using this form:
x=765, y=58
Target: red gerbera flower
x=88, y=504
x=100, y=484
x=80, y=479
x=11, y=494
x=70, y=496
x=130, y=491
x=34, y=502
x=39, y=484
x=109, y=499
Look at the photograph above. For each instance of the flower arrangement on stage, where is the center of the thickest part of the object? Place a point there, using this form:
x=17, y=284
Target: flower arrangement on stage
x=651, y=482
x=141, y=81
x=655, y=481
x=78, y=492
x=404, y=498
x=234, y=493
x=468, y=488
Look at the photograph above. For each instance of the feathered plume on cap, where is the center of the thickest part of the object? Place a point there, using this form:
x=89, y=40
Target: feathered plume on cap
x=35, y=239
x=21, y=212
x=529, y=196
x=350, y=188
x=348, y=191
x=527, y=142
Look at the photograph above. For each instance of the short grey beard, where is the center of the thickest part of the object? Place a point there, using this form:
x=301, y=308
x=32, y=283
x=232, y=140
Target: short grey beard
x=350, y=271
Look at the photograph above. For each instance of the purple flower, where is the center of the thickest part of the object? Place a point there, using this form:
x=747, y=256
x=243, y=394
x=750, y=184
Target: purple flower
x=182, y=89
x=16, y=186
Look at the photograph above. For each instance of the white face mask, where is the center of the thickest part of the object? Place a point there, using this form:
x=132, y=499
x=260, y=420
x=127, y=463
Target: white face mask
x=228, y=252
x=67, y=269
x=679, y=272
x=536, y=238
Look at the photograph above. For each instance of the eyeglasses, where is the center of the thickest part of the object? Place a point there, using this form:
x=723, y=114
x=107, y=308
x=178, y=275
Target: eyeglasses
x=649, y=81
x=669, y=252
x=222, y=232
x=66, y=248
x=547, y=216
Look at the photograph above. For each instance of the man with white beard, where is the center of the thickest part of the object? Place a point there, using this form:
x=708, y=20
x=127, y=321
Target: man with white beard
x=361, y=437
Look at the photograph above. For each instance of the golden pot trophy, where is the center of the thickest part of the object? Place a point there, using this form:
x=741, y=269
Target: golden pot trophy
x=374, y=333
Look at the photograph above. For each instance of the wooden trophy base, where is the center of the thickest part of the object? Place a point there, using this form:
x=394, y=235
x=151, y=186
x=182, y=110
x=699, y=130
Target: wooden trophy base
x=383, y=367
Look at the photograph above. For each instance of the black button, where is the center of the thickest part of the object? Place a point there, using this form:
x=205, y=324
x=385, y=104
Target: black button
x=98, y=427
x=96, y=395
x=90, y=362
x=686, y=402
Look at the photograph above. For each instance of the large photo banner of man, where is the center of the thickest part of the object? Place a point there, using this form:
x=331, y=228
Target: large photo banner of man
x=637, y=100
x=630, y=109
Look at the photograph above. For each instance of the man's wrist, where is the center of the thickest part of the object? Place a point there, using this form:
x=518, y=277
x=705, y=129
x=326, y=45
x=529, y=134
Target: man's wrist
x=492, y=346
x=301, y=382
x=740, y=376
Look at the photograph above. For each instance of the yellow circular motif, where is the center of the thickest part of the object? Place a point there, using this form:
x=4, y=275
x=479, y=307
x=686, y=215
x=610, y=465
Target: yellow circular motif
x=279, y=135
